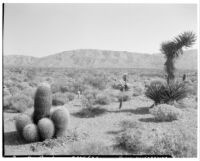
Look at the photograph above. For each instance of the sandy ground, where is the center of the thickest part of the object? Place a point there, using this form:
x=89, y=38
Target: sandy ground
x=102, y=128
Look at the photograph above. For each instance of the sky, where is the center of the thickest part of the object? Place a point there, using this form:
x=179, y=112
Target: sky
x=44, y=29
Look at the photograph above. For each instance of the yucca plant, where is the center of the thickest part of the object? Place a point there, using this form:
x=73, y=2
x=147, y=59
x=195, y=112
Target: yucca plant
x=166, y=93
x=173, y=49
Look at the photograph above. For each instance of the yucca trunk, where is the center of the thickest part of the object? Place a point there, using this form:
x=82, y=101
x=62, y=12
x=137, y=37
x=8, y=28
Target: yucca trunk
x=169, y=68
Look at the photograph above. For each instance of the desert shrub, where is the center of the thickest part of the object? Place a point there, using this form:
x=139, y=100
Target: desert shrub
x=68, y=86
x=130, y=140
x=9, y=83
x=103, y=99
x=30, y=92
x=18, y=103
x=33, y=84
x=89, y=97
x=13, y=90
x=31, y=73
x=90, y=148
x=166, y=93
x=70, y=96
x=22, y=86
x=78, y=85
x=164, y=112
x=96, y=81
x=6, y=92
x=175, y=145
x=59, y=99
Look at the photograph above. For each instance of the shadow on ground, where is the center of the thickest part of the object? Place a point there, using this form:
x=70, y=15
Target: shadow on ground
x=12, y=138
x=89, y=112
x=115, y=132
x=137, y=111
x=152, y=119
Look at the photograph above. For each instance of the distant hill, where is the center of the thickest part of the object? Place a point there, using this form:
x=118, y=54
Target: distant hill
x=90, y=58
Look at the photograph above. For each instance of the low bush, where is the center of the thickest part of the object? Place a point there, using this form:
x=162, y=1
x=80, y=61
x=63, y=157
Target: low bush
x=175, y=145
x=14, y=90
x=18, y=103
x=97, y=81
x=164, y=112
x=59, y=99
x=130, y=141
x=103, y=99
x=89, y=97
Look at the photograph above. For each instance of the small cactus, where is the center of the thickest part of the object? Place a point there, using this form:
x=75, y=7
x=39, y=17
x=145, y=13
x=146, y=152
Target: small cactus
x=46, y=128
x=42, y=102
x=21, y=121
x=30, y=133
x=60, y=117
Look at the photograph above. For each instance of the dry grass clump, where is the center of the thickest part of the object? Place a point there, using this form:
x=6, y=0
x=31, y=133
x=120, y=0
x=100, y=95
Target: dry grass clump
x=164, y=112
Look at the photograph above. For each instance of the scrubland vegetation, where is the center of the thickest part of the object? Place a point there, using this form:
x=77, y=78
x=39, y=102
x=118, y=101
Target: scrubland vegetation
x=99, y=100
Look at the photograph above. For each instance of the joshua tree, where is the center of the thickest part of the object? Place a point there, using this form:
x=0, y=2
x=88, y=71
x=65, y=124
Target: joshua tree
x=172, y=49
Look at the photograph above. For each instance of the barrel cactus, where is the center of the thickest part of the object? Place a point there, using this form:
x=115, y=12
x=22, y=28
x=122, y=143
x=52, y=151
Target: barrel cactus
x=30, y=133
x=21, y=121
x=42, y=102
x=60, y=118
x=46, y=128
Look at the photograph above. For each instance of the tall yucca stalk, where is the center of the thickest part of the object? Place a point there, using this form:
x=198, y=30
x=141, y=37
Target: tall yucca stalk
x=173, y=49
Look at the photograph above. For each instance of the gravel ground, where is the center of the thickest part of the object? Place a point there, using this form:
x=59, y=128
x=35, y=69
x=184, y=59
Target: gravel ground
x=102, y=128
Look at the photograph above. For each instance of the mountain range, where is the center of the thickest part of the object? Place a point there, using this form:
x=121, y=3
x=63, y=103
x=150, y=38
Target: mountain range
x=91, y=58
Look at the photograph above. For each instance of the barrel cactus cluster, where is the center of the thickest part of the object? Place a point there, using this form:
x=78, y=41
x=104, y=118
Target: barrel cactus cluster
x=45, y=123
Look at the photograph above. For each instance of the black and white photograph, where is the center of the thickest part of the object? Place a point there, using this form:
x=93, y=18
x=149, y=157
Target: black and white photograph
x=100, y=79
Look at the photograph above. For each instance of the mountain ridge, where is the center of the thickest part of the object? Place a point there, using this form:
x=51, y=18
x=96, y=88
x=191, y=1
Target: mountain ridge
x=92, y=58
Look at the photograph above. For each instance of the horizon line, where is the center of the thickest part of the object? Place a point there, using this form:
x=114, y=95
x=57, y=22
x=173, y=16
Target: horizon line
x=90, y=49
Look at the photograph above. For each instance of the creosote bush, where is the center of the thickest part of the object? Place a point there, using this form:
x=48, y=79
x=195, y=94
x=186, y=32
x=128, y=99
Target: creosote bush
x=165, y=112
x=130, y=140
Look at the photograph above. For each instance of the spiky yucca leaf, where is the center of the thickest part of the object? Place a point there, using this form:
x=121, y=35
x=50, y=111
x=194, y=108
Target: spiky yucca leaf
x=166, y=93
